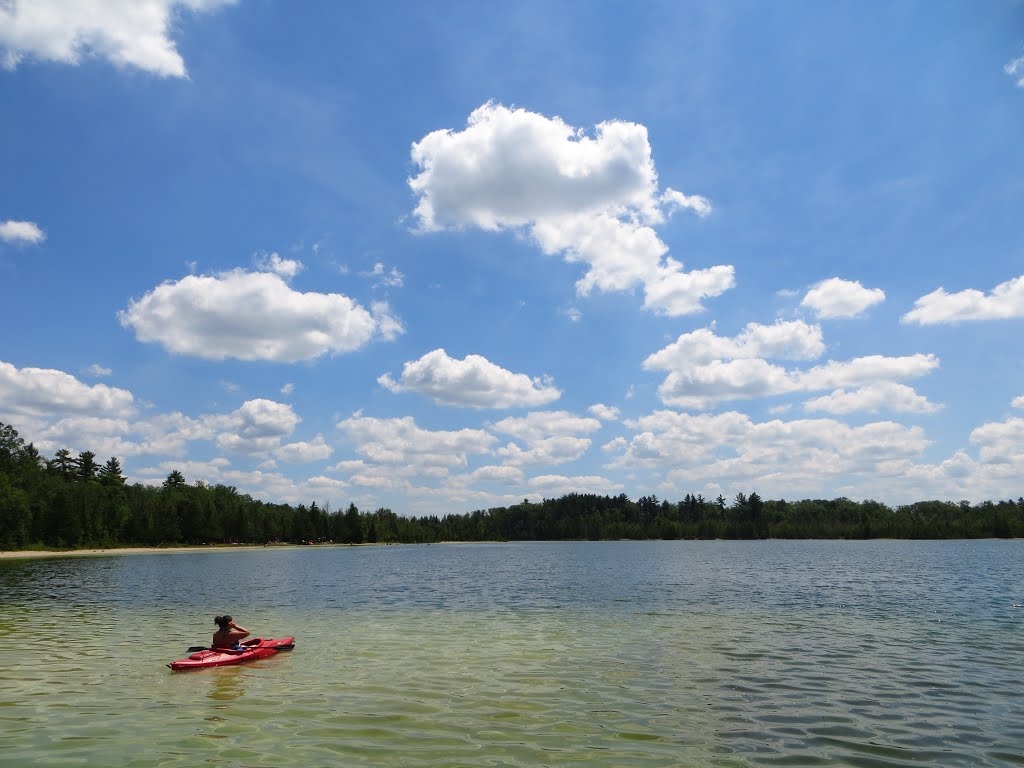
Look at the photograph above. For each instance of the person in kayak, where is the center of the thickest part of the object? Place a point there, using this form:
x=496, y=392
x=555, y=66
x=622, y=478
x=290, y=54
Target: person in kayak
x=229, y=634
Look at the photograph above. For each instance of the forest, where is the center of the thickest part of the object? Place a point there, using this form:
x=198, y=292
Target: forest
x=73, y=501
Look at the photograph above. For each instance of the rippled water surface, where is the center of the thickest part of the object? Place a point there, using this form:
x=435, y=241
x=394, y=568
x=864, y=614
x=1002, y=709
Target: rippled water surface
x=544, y=654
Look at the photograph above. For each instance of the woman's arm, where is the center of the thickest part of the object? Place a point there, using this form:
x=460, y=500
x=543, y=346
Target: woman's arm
x=237, y=632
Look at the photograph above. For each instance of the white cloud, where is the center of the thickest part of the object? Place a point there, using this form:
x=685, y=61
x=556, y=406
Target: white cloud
x=885, y=395
x=287, y=389
x=252, y=316
x=503, y=475
x=573, y=314
x=550, y=451
x=550, y=437
x=793, y=340
x=836, y=297
x=541, y=424
x=779, y=458
x=593, y=199
x=386, y=278
x=316, y=449
x=1018, y=402
x=271, y=262
x=388, y=326
x=255, y=427
x=604, y=412
x=1005, y=301
x=704, y=369
x=131, y=33
x=675, y=200
x=1015, y=69
x=1001, y=442
x=20, y=231
x=97, y=370
x=401, y=443
x=45, y=392
x=473, y=382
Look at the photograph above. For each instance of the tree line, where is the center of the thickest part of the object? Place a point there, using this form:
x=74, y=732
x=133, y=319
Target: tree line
x=72, y=501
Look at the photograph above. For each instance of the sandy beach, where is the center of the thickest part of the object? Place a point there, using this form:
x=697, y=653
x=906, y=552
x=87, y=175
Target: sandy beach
x=24, y=553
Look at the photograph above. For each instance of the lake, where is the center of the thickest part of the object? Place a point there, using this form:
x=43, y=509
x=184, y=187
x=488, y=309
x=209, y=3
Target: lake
x=772, y=653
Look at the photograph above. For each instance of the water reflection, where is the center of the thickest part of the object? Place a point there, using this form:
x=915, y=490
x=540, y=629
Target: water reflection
x=226, y=684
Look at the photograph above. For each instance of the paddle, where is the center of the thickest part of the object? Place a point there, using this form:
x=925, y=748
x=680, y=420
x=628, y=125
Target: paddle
x=198, y=648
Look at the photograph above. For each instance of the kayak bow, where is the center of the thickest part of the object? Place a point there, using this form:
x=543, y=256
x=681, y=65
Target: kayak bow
x=257, y=648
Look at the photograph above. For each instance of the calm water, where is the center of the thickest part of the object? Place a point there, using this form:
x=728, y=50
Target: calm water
x=551, y=654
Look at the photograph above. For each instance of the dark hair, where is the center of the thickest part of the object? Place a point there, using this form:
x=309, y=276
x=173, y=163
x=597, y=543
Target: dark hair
x=222, y=621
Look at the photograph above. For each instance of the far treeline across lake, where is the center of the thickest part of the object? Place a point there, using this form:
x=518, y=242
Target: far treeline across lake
x=72, y=501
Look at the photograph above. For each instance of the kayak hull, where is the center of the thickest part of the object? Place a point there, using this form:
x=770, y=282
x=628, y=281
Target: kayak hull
x=258, y=648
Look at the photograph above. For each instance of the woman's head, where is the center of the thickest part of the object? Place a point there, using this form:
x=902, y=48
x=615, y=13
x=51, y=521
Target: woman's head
x=223, y=621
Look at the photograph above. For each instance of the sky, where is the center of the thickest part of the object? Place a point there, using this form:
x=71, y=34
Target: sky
x=447, y=257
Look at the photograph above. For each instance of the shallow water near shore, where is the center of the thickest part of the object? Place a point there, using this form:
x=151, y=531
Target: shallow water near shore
x=607, y=653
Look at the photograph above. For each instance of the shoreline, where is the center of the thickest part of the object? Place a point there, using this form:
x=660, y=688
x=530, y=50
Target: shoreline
x=20, y=554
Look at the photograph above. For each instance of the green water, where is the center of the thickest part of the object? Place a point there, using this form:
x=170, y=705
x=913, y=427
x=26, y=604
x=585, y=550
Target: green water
x=614, y=654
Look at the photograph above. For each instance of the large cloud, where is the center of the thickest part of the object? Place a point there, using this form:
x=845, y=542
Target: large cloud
x=595, y=200
x=400, y=443
x=788, y=456
x=884, y=395
x=473, y=382
x=836, y=297
x=541, y=424
x=256, y=427
x=21, y=231
x=131, y=33
x=704, y=369
x=253, y=316
x=44, y=392
x=1005, y=301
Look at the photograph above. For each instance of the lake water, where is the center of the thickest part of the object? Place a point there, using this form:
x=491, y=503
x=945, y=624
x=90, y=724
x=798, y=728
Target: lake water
x=538, y=654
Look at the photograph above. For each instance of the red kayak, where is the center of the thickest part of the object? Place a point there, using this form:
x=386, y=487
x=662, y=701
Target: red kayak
x=257, y=648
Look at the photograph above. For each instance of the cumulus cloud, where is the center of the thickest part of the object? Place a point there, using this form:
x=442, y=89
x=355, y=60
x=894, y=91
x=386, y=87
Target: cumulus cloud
x=502, y=475
x=780, y=458
x=541, y=424
x=255, y=427
x=594, y=199
x=704, y=369
x=550, y=451
x=45, y=392
x=316, y=449
x=836, y=297
x=1004, y=301
x=399, y=443
x=272, y=262
x=885, y=395
x=20, y=231
x=1018, y=402
x=604, y=412
x=253, y=316
x=128, y=33
x=473, y=382
x=551, y=437
x=792, y=340
x=1015, y=69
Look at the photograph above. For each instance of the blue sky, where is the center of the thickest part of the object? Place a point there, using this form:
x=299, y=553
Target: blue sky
x=446, y=257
